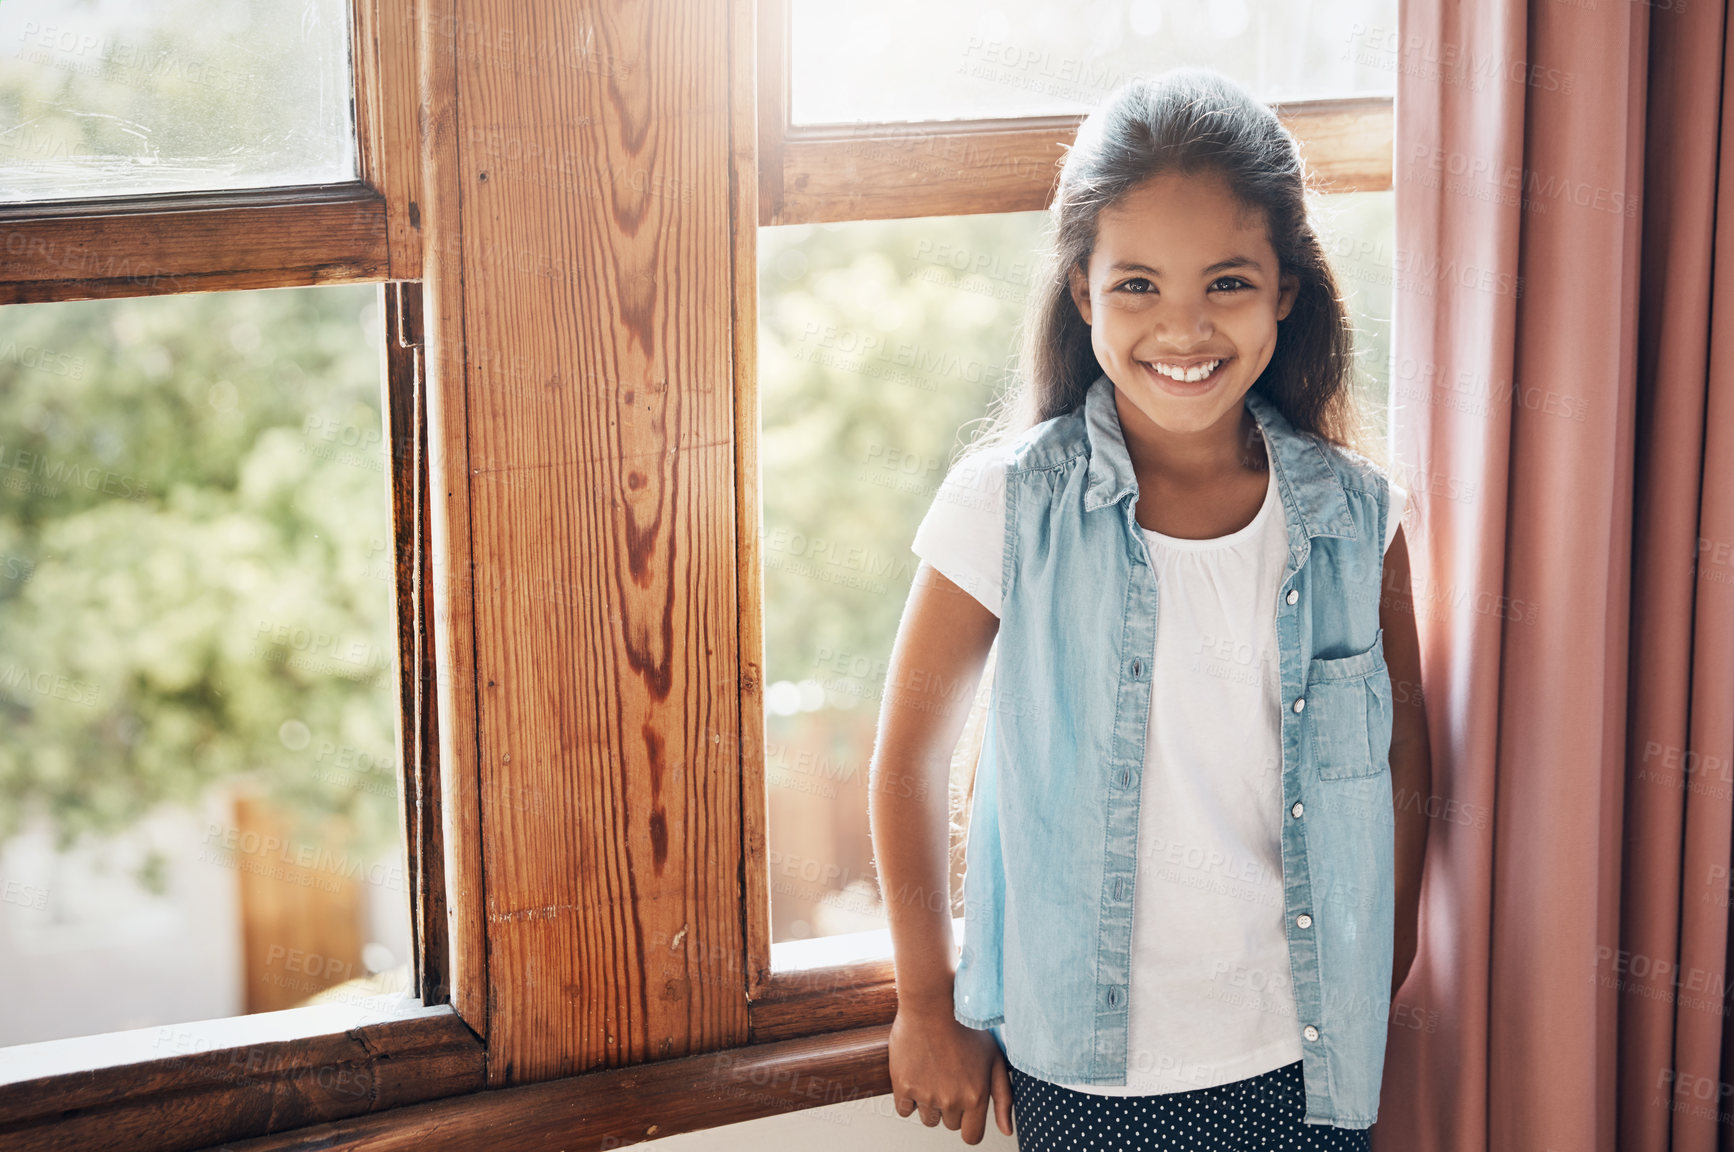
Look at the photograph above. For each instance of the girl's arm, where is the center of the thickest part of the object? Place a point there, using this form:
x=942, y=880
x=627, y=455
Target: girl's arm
x=947, y=1070
x=1411, y=760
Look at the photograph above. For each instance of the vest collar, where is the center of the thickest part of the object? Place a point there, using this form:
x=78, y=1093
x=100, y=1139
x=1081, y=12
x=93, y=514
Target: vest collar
x=1310, y=488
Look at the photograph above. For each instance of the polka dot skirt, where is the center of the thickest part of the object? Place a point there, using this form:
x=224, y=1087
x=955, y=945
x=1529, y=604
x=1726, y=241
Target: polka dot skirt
x=1259, y=1114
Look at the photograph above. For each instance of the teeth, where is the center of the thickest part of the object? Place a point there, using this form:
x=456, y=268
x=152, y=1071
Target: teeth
x=1187, y=375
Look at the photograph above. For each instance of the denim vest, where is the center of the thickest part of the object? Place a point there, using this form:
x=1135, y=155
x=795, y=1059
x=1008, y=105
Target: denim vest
x=1053, y=834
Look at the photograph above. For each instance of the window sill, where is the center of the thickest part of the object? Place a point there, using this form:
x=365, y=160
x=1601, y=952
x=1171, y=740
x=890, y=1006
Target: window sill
x=184, y=1086
x=621, y=1106
x=831, y=982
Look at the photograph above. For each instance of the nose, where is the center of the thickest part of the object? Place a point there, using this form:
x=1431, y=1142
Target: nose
x=1183, y=325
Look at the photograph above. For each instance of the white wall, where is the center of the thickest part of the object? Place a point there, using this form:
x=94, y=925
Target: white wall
x=84, y=949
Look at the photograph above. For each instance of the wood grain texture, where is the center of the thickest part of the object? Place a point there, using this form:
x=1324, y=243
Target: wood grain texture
x=815, y=1001
x=770, y=84
x=388, y=132
x=417, y=728
x=755, y=802
x=191, y=1101
x=950, y=168
x=432, y=925
x=369, y=103
x=1348, y=145
x=594, y=235
x=399, y=401
x=450, y=567
x=622, y=1106
x=192, y=242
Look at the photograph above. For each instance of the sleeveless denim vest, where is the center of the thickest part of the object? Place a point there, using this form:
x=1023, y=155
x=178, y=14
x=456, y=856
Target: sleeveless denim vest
x=1053, y=833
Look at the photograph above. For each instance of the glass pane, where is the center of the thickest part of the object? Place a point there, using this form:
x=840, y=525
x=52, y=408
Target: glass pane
x=113, y=98
x=198, y=782
x=879, y=342
x=855, y=61
x=1360, y=236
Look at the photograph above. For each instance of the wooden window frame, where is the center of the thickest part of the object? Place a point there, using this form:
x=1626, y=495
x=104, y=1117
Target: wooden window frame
x=356, y=231
x=208, y=1082
x=826, y=173
x=761, y=1041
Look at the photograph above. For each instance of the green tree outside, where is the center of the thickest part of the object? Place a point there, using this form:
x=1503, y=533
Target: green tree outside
x=194, y=558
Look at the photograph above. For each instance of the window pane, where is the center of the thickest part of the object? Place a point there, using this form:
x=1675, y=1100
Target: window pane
x=856, y=61
x=879, y=342
x=1360, y=237
x=198, y=777
x=113, y=98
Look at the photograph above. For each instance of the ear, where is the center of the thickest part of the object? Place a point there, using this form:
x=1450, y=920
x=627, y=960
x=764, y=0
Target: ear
x=1288, y=288
x=1080, y=286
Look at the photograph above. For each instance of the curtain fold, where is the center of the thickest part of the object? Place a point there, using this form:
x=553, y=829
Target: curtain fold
x=1563, y=420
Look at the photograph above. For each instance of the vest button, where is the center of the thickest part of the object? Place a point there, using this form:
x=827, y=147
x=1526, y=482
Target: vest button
x=1300, y=702
x=1293, y=595
x=1303, y=921
x=1113, y=997
x=1125, y=777
x=1137, y=668
x=1297, y=810
x=1310, y=1032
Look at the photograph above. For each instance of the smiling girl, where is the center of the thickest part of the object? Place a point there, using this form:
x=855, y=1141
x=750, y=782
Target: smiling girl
x=1189, y=894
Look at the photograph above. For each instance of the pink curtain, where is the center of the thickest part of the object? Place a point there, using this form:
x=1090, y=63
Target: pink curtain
x=1564, y=394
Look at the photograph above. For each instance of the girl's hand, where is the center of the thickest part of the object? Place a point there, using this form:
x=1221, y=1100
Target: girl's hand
x=938, y=1065
x=949, y=1071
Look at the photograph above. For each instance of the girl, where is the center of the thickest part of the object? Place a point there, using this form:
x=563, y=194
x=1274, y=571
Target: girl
x=1189, y=892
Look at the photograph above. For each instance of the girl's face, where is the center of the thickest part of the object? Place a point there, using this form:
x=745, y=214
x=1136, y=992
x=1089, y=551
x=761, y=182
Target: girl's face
x=1182, y=295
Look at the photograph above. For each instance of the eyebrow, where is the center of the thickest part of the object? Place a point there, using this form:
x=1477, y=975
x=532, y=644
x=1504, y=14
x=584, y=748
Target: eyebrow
x=1219, y=266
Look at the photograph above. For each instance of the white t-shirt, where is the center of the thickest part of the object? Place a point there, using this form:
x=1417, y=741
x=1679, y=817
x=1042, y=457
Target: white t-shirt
x=1210, y=1001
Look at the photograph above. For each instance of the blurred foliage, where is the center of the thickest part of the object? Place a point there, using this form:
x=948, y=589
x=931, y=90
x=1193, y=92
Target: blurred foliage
x=880, y=342
x=194, y=558
x=875, y=350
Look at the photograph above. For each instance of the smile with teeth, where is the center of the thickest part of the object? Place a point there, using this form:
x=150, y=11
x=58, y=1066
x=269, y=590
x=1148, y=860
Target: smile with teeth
x=1185, y=375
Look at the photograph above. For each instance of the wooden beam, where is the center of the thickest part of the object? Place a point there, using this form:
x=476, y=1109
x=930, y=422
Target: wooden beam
x=187, y=1086
x=622, y=1106
x=387, y=122
x=580, y=262
x=757, y=55
x=450, y=572
x=813, y=1001
x=417, y=730
x=192, y=242
x=770, y=85
x=954, y=167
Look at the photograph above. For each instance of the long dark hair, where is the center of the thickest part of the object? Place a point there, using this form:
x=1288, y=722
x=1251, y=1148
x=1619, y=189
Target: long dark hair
x=1190, y=121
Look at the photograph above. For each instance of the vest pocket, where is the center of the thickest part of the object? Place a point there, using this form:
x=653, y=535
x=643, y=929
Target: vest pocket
x=1348, y=705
